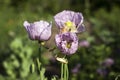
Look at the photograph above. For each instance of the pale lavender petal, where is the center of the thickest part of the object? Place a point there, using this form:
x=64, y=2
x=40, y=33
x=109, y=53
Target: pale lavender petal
x=63, y=17
x=81, y=28
x=26, y=24
x=58, y=40
x=77, y=18
x=46, y=31
x=74, y=47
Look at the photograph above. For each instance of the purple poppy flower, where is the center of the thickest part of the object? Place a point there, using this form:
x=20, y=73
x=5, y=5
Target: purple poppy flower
x=40, y=30
x=69, y=21
x=67, y=42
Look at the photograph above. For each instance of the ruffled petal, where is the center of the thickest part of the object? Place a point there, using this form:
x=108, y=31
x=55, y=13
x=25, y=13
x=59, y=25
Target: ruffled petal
x=67, y=43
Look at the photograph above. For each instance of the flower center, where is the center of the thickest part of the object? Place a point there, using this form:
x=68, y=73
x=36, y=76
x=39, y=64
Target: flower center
x=68, y=45
x=69, y=24
x=69, y=27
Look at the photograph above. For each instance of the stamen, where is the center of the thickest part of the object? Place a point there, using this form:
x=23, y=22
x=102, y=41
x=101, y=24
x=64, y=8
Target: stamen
x=68, y=45
x=69, y=27
x=69, y=24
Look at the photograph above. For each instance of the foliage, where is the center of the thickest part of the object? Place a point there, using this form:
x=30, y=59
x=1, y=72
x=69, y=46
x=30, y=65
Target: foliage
x=18, y=63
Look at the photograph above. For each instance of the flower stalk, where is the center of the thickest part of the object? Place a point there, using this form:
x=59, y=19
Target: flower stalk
x=64, y=71
x=39, y=50
x=64, y=68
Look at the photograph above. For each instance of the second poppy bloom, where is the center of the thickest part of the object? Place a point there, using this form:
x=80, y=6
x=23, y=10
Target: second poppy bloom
x=69, y=21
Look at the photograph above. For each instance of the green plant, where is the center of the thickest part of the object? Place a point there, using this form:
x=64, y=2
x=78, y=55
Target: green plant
x=18, y=63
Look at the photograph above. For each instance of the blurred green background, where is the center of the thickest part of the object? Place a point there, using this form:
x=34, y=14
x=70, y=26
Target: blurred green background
x=98, y=57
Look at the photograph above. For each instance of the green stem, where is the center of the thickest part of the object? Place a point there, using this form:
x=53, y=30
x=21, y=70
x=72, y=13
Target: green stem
x=65, y=72
x=39, y=51
x=62, y=69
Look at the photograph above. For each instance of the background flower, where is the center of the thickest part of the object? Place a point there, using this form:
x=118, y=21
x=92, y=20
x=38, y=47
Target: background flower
x=75, y=70
x=67, y=43
x=84, y=43
x=102, y=72
x=69, y=21
x=108, y=62
x=40, y=30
